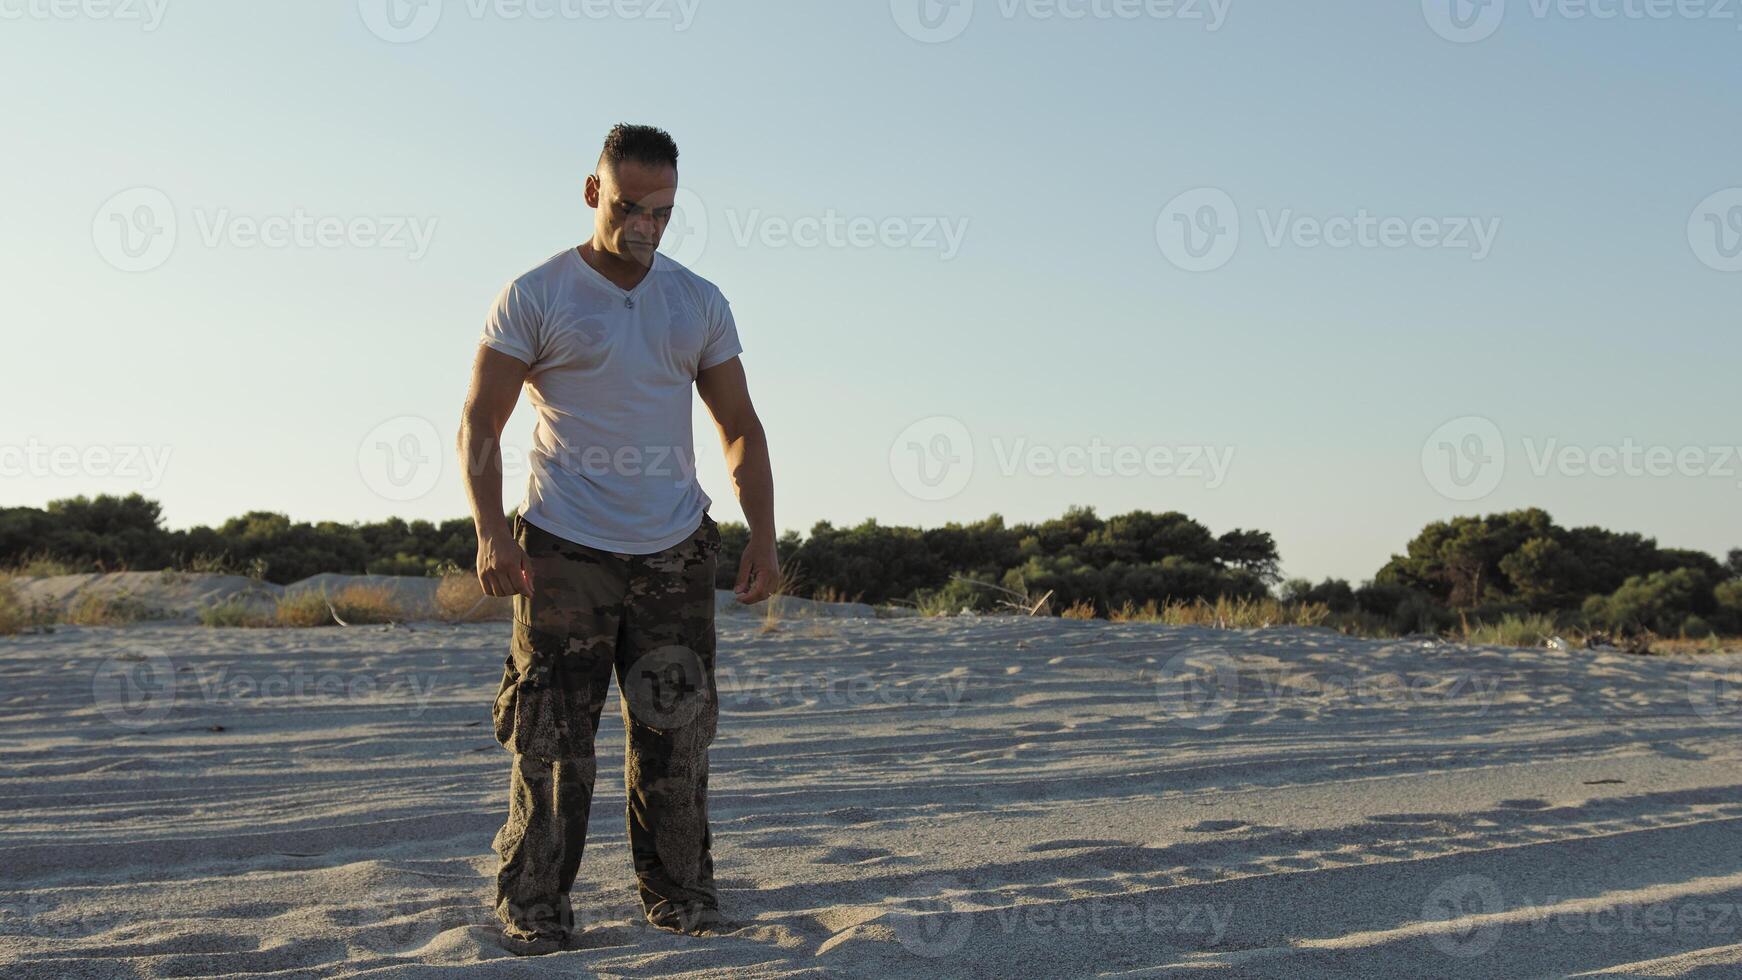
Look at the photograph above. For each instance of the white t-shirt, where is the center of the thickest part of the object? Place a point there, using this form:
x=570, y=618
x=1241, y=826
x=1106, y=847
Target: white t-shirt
x=613, y=456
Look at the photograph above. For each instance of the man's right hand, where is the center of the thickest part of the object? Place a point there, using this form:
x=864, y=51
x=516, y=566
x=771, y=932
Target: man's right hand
x=502, y=566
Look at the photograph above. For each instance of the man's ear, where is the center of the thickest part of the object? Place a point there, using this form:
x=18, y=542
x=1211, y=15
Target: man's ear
x=592, y=191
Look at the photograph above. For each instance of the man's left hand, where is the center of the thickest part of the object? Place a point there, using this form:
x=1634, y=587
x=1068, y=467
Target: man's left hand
x=758, y=571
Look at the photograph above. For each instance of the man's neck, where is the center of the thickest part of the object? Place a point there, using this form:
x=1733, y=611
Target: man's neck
x=625, y=274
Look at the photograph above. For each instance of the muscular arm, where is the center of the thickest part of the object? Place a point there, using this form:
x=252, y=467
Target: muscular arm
x=727, y=394
x=496, y=381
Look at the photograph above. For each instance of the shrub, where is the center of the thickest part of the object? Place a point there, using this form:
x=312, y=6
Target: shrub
x=1727, y=597
x=1382, y=599
x=357, y=605
x=212, y=564
x=1696, y=628
x=935, y=604
x=1659, y=602
x=1420, y=614
x=42, y=565
x=956, y=595
x=304, y=609
x=236, y=613
x=362, y=604
x=1333, y=593
x=106, y=609
x=14, y=618
x=1512, y=631
x=1081, y=609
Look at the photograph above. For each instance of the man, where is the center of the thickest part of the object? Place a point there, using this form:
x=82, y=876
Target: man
x=611, y=558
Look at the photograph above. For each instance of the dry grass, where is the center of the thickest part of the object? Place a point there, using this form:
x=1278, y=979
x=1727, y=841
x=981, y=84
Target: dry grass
x=829, y=593
x=237, y=614
x=1709, y=644
x=1225, y=613
x=1081, y=609
x=42, y=565
x=1013, y=600
x=460, y=599
x=15, y=617
x=1513, y=631
x=358, y=604
x=204, y=564
x=353, y=605
x=786, y=587
x=935, y=604
x=106, y=609
x=1149, y=612
x=819, y=630
x=302, y=610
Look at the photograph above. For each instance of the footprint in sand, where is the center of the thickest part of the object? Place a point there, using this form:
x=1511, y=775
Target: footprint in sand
x=1074, y=844
x=853, y=855
x=1525, y=804
x=1216, y=826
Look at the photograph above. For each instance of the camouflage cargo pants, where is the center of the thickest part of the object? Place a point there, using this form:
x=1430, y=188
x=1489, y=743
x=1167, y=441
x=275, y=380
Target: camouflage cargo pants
x=649, y=619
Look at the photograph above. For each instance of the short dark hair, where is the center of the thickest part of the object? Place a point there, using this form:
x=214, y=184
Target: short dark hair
x=648, y=145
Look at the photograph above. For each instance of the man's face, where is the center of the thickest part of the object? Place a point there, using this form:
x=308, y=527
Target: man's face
x=632, y=204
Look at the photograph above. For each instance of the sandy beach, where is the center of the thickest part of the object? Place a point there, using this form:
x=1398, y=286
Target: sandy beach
x=958, y=797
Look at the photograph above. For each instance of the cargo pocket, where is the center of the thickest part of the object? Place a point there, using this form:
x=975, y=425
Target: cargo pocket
x=503, y=713
x=532, y=706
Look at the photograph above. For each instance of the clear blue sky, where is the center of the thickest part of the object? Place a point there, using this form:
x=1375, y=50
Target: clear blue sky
x=1053, y=145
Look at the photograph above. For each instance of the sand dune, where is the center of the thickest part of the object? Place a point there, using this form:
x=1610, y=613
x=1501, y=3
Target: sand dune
x=967, y=797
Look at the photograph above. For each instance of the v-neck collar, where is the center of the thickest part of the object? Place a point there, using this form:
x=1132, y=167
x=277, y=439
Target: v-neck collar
x=602, y=280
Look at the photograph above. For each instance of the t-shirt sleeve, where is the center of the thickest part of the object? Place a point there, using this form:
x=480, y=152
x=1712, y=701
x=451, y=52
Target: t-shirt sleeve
x=722, y=343
x=515, y=324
